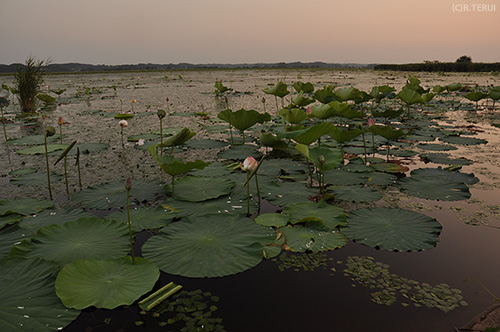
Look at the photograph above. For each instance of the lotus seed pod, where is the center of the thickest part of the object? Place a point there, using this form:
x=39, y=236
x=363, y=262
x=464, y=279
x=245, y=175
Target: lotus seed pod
x=161, y=114
x=50, y=131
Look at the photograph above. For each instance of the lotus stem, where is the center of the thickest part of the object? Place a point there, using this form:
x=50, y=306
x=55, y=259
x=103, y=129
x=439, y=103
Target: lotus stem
x=47, y=162
x=66, y=175
x=364, y=143
x=277, y=108
x=243, y=135
x=310, y=173
x=78, y=164
x=161, y=136
x=258, y=190
x=3, y=124
x=373, y=143
x=129, y=223
x=248, y=194
x=123, y=144
x=172, y=150
x=60, y=133
x=388, y=149
x=173, y=185
x=231, y=132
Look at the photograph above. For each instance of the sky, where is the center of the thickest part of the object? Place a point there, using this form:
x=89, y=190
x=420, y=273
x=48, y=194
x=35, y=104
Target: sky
x=235, y=31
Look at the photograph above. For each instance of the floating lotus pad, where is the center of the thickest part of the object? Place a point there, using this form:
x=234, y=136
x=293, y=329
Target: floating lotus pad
x=393, y=229
x=340, y=177
x=215, y=169
x=329, y=215
x=24, y=206
x=442, y=158
x=114, y=194
x=11, y=235
x=10, y=219
x=205, y=144
x=463, y=140
x=239, y=152
x=86, y=238
x=35, y=179
x=52, y=217
x=40, y=149
x=356, y=193
x=85, y=148
x=467, y=178
x=105, y=283
x=32, y=140
x=210, y=246
x=29, y=302
x=223, y=205
x=283, y=194
x=302, y=239
x=434, y=187
x=272, y=219
x=144, y=217
x=437, y=147
x=199, y=189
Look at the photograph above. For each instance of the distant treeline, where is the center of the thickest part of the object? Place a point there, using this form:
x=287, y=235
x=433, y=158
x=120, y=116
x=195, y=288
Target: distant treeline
x=443, y=67
x=80, y=67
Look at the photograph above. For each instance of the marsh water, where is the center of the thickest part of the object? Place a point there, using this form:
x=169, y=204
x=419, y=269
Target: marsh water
x=267, y=298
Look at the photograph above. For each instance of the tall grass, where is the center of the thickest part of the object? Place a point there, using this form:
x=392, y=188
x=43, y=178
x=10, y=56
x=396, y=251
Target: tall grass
x=28, y=81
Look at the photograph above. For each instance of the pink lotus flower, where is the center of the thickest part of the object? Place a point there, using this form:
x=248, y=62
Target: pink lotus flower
x=60, y=121
x=249, y=164
x=140, y=141
x=371, y=122
x=308, y=110
x=123, y=123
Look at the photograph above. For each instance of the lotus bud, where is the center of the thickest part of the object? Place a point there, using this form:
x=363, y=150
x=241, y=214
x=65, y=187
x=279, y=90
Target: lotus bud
x=128, y=184
x=249, y=164
x=167, y=99
x=133, y=100
x=123, y=123
x=60, y=121
x=308, y=110
x=50, y=131
x=263, y=100
x=161, y=113
x=321, y=159
x=370, y=122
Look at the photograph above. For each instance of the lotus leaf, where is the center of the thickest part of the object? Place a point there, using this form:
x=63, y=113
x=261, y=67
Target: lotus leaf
x=85, y=238
x=437, y=147
x=293, y=115
x=313, y=133
x=144, y=217
x=301, y=101
x=243, y=119
x=279, y=90
x=114, y=194
x=209, y=246
x=105, y=283
x=357, y=193
x=40, y=149
x=32, y=140
x=29, y=302
x=11, y=235
x=443, y=158
x=180, y=138
x=302, y=239
x=239, y=152
x=52, y=217
x=345, y=94
x=451, y=175
x=325, y=95
x=432, y=187
x=10, y=219
x=303, y=87
x=25, y=206
x=329, y=215
x=322, y=111
x=393, y=229
x=199, y=189
x=272, y=219
x=35, y=179
x=463, y=140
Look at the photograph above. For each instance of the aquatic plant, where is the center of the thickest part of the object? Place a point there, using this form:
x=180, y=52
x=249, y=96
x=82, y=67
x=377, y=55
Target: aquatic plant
x=3, y=103
x=243, y=119
x=50, y=131
x=249, y=165
x=65, y=156
x=28, y=80
x=123, y=124
x=128, y=187
x=161, y=114
x=279, y=90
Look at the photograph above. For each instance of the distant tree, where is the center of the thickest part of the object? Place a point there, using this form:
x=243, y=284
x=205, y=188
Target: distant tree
x=464, y=59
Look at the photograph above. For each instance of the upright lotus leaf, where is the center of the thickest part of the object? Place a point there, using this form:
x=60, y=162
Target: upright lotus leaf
x=293, y=115
x=454, y=87
x=173, y=166
x=322, y=111
x=220, y=88
x=381, y=92
x=303, y=87
x=208, y=246
x=312, y=134
x=301, y=101
x=279, y=90
x=304, y=239
x=345, y=94
x=270, y=140
x=387, y=132
x=325, y=95
x=330, y=216
x=332, y=157
x=475, y=96
x=426, y=97
x=243, y=119
x=85, y=238
x=342, y=136
x=434, y=187
x=388, y=113
x=105, y=283
x=29, y=302
x=409, y=96
x=10, y=219
x=494, y=94
x=393, y=229
x=438, y=88
x=25, y=206
x=180, y=138
x=339, y=108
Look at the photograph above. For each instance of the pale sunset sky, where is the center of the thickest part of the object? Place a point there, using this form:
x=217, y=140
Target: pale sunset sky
x=251, y=31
